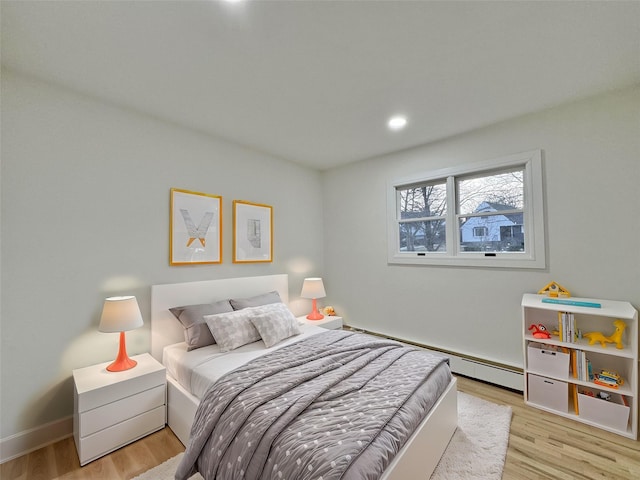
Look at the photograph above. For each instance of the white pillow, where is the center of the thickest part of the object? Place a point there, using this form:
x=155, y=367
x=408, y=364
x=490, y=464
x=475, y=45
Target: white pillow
x=275, y=323
x=234, y=329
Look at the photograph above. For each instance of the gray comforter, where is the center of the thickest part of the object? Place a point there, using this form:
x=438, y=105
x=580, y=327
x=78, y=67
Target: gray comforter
x=312, y=409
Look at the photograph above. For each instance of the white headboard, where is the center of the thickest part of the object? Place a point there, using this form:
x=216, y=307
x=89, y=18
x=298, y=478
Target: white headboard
x=165, y=328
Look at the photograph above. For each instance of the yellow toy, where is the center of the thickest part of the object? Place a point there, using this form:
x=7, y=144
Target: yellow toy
x=615, y=337
x=554, y=290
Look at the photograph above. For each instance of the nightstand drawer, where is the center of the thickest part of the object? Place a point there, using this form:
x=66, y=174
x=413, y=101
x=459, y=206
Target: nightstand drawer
x=109, y=439
x=121, y=410
x=328, y=322
x=120, y=385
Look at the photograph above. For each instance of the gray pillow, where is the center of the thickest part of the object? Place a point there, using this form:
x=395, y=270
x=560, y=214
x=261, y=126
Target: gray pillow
x=255, y=301
x=234, y=329
x=196, y=332
x=275, y=323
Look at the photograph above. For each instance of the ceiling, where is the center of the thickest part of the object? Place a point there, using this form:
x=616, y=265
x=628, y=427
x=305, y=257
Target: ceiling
x=315, y=81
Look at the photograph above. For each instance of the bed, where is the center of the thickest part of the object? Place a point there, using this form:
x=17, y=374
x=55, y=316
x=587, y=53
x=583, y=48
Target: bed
x=416, y=459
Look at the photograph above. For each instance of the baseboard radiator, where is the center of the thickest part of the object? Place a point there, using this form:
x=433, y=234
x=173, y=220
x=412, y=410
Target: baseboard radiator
x=468, y=366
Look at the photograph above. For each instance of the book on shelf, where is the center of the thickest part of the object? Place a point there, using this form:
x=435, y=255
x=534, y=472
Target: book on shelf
x=560, y=336
x=567, y=329
x=581, y=366
x=577, y=303
x=574, y=394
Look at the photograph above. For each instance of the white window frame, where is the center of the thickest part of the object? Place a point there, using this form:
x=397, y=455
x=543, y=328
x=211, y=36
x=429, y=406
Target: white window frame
x=534, y=255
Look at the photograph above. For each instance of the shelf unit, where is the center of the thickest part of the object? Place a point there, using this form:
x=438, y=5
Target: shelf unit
x=550, y=385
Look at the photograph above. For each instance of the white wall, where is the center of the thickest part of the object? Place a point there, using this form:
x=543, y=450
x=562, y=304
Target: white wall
x=85, y=215
x=591, y=154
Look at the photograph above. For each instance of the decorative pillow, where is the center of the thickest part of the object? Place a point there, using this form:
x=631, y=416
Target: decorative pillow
x=275, y=324
x=234, y=329
x=196, y=332
x=256, y=301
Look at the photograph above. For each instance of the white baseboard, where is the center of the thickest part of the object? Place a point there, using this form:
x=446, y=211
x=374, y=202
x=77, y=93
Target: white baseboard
x=22, y=443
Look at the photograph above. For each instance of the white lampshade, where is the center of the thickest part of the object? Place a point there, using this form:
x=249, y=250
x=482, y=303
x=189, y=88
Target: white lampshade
x=120, y=314
x=313, y=288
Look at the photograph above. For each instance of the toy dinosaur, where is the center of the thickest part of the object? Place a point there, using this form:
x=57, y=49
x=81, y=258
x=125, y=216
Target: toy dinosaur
x=615, y=337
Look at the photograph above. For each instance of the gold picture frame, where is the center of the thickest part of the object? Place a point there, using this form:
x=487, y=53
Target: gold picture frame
x=252, y=232
x=195, y=230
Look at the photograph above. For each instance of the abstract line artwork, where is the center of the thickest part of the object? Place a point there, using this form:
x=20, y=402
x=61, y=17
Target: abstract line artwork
x=252, y=232
x=198, y=232
x=192, y=243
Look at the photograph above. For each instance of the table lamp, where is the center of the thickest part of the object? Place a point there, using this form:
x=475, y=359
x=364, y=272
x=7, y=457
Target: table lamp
x=120, y=314
x=313, y=288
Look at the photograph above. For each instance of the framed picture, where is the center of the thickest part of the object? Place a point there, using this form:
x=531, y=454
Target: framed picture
x=195, y=228
x=252, y=232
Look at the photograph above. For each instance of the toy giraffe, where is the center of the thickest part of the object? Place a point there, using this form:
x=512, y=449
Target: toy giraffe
x=615, y=337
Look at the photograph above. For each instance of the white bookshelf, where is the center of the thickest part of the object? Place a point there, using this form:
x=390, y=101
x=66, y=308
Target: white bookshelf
x=549, y=382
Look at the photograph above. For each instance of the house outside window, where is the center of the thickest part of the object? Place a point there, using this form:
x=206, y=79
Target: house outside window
x=485, y=214
x=498, y=233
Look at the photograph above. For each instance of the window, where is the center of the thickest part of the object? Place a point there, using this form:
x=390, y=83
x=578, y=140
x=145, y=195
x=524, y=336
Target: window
x=480, y=231
x=422, y=217
x=486, y=214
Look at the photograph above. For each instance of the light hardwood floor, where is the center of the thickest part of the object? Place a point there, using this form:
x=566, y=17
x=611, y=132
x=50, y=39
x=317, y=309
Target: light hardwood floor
x=541, y=446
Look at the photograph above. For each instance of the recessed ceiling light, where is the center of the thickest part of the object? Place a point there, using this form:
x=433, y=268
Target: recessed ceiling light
x=397, y=122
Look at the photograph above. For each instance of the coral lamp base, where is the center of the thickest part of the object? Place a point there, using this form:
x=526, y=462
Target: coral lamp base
x=315, y=314
x=122, y=361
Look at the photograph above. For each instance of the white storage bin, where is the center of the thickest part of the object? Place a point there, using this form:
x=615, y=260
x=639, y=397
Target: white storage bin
x=545, y=361
x=611, y=413
x=549, y=393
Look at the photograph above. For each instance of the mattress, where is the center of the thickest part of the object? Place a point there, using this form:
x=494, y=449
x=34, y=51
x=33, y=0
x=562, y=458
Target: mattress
x=196, y=370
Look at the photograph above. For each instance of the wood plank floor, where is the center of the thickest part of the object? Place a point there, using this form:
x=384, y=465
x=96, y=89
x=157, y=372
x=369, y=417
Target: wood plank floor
x=60, y=460
x=546, y=446
x=541, y=446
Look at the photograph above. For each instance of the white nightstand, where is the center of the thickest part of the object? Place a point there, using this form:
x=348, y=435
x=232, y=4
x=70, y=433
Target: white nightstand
x=112, y=409
x=330, y=323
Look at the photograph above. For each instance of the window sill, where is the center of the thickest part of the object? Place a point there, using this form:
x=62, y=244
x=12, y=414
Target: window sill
x=489, y=260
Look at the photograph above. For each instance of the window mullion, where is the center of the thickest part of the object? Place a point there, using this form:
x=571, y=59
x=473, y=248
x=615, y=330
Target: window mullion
x=452, y=208
x=491, y=214
x=396, y=232
x=527, y=214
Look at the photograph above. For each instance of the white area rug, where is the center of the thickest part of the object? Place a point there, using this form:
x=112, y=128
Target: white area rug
x=476, y=452
x=479, y=446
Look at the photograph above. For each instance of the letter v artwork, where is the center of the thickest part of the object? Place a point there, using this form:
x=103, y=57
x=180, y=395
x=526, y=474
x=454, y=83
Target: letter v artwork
x=195, y=228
